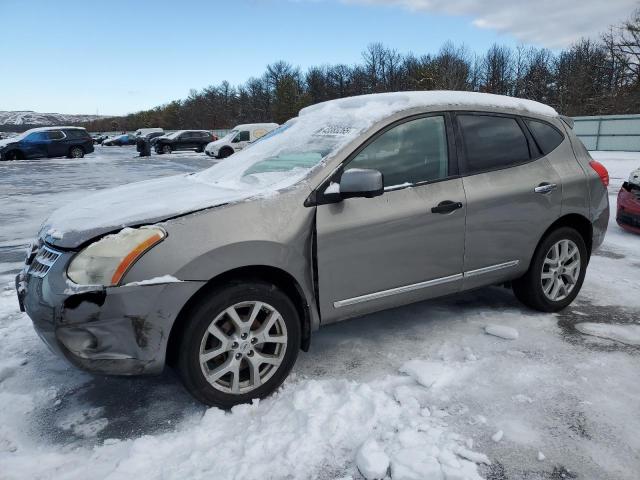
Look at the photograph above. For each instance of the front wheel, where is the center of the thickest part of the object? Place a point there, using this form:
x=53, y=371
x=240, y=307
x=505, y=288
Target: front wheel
x=166, y=149
x=556, y=273
x=240, y=344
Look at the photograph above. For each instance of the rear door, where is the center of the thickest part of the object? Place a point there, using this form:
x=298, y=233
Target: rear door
x=57, y=146
x=374, y=253
x=513, y=195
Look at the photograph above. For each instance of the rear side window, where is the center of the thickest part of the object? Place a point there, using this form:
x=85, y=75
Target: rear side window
x=546, y=136
x=55, y=135
x=76, y=133
x=492, y=142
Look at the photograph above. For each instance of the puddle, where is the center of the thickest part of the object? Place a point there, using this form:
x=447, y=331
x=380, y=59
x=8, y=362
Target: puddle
x=608, y=254
x=586, y=312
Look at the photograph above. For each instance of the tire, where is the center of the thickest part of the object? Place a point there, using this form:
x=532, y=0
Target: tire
x=166, y=149
x=13, y=155
x=548, y=285
x=201, y=148
x=76, y=152
x=225, y=152
x=234, y=352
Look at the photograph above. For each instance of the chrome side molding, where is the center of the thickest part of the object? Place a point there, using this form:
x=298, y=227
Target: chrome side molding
x=396, y=291
x=426, y=284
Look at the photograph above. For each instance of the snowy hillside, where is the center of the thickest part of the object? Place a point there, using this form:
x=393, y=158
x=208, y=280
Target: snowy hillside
x=34, y=119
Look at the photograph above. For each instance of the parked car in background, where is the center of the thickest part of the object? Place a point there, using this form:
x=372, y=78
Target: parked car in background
x=628, y=213
x=359, y=205
x=141, y=140
x=119, y=140
x=144, y=132
x=238, y=138
x=98, y=138
x=183, y=140
x=72, y=142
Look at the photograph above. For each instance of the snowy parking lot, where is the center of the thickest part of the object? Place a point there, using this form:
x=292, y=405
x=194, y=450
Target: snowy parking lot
x=420, y=392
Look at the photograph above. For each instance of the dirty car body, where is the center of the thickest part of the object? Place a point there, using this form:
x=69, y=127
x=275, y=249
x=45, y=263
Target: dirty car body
x=334, y=254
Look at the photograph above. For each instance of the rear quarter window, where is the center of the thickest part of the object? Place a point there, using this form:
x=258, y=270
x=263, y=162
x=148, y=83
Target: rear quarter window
x=547, y=137
x=492, y=142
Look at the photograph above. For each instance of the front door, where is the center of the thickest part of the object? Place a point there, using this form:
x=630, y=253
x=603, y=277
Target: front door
x=35, y=145
x=389, y=250
x=513, y=195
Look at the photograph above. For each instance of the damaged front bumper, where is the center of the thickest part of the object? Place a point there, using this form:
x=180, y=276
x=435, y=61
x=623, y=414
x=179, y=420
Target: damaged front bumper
x=114, y=330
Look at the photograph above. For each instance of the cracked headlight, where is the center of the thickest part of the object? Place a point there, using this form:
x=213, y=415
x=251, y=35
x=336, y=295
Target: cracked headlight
x=107, y=260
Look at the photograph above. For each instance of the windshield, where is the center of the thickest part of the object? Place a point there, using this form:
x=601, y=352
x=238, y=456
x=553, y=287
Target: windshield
x=229, y=136
x=282, y=158
x=174, y=134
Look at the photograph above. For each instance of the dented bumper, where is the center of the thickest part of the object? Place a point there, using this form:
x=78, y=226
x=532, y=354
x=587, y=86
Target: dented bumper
x=115, y=330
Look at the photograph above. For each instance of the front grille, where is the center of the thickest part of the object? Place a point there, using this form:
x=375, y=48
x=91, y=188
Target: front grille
x=43, y=261
x=627, y=219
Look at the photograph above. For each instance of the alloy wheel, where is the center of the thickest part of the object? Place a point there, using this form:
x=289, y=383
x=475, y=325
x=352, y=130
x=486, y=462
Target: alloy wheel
x=243, y=347
x=560, y=270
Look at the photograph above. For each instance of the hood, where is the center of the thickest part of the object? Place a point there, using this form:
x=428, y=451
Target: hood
x=135, y=204
x=216, y=143
x=7, y=141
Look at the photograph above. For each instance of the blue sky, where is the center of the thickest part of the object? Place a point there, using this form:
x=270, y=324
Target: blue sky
x=117, y=57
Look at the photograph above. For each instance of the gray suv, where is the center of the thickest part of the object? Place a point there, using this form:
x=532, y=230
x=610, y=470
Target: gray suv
x=356, y=205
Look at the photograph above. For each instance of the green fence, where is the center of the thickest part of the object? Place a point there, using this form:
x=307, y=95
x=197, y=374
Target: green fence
x=609, y=132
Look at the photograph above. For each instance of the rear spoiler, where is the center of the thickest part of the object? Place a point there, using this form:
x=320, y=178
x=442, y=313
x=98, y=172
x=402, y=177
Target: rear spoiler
x=568, y=120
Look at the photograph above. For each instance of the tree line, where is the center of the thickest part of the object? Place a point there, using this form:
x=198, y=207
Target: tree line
x=591, y=77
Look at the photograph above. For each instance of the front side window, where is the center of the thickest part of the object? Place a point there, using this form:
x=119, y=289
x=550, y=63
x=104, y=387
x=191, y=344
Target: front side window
x=36, y=137
x=244, y=136
x=547, y=137
x=492, y=142
x=409, y=153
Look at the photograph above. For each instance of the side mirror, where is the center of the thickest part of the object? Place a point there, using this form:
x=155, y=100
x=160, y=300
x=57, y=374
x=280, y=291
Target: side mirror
x=361, y=182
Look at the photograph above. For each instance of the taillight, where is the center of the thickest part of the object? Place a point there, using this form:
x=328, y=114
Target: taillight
x=601, y=171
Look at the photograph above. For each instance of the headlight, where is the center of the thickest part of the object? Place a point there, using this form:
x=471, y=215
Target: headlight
x=106, y=261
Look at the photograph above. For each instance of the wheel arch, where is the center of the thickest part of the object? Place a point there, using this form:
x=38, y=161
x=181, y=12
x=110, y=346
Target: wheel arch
x=282, y=279
x=578, y=222
x=19, y=154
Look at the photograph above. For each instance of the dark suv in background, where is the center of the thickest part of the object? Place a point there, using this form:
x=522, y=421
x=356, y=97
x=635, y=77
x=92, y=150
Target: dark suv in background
x=72, y=142
x=183, y=140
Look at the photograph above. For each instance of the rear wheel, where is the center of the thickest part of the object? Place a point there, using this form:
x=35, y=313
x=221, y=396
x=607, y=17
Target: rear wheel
x=76, y=152
x=556, y=273
x=240, y=344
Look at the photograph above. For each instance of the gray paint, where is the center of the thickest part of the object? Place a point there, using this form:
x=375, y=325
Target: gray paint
x=372, y=253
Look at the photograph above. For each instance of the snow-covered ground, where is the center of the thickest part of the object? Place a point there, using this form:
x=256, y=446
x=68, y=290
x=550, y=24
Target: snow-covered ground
x=465, y=387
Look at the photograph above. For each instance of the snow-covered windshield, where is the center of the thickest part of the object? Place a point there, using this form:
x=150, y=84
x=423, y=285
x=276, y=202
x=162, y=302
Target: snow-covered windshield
x=283, y=158
x=174, y=134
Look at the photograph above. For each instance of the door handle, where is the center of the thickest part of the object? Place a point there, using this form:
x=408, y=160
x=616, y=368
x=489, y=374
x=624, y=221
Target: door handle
x=545, y=187
x=446, y=206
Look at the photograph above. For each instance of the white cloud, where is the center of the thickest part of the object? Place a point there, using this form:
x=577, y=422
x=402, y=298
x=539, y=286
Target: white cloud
x=548, y=23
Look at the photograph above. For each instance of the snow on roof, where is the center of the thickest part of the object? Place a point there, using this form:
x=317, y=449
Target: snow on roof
x=380, y=105
x=254, y=125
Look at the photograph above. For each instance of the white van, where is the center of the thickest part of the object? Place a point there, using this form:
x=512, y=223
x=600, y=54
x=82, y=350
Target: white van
x=146, y=131
x=238, y=138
